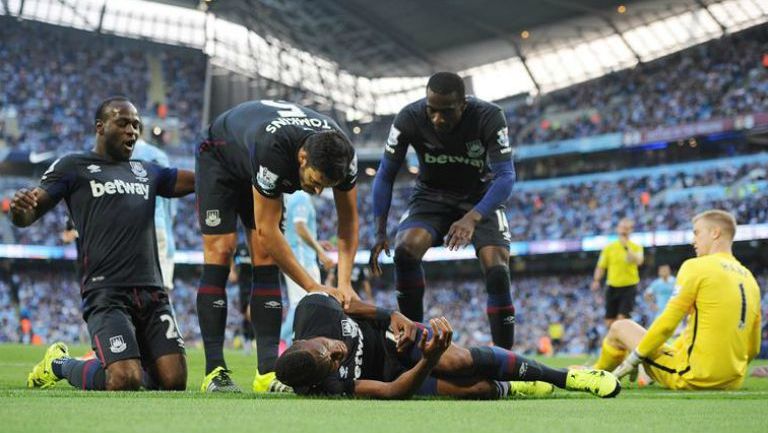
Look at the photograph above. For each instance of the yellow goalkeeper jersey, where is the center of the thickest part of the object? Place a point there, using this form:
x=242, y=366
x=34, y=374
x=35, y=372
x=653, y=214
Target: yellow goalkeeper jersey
x=722, y=301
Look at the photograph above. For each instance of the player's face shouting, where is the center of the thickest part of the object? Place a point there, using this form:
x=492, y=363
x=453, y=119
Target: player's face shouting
x=121, y=130
x=444, y=111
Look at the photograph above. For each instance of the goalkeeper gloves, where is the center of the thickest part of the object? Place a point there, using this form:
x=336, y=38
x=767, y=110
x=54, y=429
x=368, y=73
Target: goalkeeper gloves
x=629, y=366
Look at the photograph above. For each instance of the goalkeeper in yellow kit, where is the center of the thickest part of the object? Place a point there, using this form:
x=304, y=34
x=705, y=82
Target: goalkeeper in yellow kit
x=722, y=301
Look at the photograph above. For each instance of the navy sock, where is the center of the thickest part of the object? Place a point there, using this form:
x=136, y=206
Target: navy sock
x=500, y=364
x=501, y=312
x=409, y=280
x=212, y=313
x=266, y=315
x=87, y=375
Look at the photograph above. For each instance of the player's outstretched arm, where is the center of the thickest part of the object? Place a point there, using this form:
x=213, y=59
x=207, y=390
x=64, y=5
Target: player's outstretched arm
x=346, y=208
x=267, y=214
x=382, y=200
x=185, y=183
x=410, y=381
x=27, y=206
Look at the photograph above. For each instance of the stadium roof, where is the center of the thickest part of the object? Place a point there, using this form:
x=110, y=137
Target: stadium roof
x=396, y=38
x=371, y=56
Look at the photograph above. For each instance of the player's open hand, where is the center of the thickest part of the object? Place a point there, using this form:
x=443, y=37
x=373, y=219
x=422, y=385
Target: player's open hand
x=24, y=200
x=442, y=334
x=325, y=261
x=343, y=296
x=461, y=231
x=381, y=244
x=350, y=293
x=404, y=329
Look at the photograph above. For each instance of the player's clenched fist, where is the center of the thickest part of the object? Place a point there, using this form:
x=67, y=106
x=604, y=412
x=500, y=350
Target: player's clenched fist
x=24, y=200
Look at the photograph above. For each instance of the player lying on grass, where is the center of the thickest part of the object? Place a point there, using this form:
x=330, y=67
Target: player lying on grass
x=371, y=352
x=722, y=301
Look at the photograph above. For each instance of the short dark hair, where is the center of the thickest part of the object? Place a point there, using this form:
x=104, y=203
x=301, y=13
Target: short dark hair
x=445, y=83
x=331, y=153
x=100, y=115
x=296, y=367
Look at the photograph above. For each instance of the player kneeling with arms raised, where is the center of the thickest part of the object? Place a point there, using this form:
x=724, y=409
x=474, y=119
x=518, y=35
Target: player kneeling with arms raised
x=111, y=200
x=371, y=352
x=722, y=301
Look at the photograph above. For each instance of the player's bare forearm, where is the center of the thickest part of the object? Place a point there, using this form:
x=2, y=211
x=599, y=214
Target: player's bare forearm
x=598, y=274
x=363, y=310
x=402, y=387
x=275, y=244
x=346, y=207
x=267, y=214
x=185, y=183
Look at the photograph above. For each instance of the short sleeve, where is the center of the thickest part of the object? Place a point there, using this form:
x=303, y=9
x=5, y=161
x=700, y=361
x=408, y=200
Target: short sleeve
x=299, y=206
x=165, y=179
x=399, y=137
x=602, y=262
x=270, y=167
x=496, y=137
x=351, y=179
x=59, y=179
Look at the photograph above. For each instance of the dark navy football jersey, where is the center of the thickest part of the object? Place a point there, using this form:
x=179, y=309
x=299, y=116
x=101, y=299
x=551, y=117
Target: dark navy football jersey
x=457, y=161
x=112, y=205
x=269, y=134
x=320, y=315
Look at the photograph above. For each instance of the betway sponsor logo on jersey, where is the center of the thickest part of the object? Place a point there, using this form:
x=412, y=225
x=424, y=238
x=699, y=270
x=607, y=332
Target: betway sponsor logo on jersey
x=308, y=122
x=118, y=186
x=452, y=159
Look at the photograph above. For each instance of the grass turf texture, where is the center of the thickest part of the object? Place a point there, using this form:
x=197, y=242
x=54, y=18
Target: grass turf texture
x=650, y=409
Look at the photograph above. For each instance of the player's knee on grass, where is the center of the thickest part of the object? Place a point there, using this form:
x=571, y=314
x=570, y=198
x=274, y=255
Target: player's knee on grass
x=124, y=375
x=172, y=373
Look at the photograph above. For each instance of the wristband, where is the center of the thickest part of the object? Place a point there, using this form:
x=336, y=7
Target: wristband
x=383, y=314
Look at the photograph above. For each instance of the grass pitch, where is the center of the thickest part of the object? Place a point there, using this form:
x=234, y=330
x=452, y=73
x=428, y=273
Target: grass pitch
x=651, y=409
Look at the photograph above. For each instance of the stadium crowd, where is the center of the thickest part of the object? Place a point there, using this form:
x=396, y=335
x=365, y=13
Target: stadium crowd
x=53, y=98
x=567, y=211
x=51, y=300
